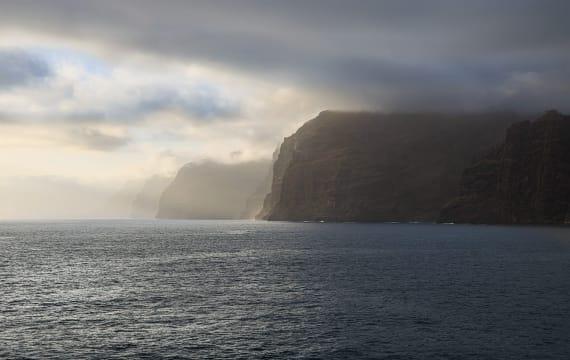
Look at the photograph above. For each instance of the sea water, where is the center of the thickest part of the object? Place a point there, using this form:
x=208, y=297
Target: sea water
x=252, y=290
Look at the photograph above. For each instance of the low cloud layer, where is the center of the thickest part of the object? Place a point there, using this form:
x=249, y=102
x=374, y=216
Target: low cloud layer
x=394, y=54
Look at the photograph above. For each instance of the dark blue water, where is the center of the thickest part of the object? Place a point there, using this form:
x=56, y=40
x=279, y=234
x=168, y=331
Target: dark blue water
x=183, y=289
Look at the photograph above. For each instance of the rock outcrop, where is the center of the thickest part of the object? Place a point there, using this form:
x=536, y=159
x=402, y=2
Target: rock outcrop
x=344, y=166
x=525, y=180
x=211, y=190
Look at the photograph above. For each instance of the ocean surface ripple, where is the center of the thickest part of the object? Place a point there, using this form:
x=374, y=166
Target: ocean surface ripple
x=106, y=289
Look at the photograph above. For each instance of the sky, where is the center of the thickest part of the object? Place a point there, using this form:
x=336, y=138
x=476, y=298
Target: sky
x=97, y=94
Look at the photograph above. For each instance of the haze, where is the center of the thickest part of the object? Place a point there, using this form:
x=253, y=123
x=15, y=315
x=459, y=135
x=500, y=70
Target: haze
x=98, y=97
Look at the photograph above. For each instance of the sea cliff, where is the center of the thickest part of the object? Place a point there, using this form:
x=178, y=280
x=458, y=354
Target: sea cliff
x=349, y=166
x=524, y=180
x=211, y=190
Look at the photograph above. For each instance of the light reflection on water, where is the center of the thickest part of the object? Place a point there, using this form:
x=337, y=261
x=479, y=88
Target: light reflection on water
x=230, y=289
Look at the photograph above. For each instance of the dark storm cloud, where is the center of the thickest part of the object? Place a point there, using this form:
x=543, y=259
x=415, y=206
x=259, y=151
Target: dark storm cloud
x=21, y=68
x=399, y=54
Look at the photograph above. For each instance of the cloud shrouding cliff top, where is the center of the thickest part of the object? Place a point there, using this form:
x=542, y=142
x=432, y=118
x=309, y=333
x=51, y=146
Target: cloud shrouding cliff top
x=394, y=54
x=101, y=92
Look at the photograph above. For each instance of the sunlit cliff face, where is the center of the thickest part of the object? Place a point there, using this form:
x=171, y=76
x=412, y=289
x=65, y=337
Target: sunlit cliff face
x=96, y=94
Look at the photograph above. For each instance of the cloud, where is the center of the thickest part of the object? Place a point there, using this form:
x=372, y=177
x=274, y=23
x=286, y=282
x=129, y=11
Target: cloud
x=192, y=104
x=436, y=54
x=19, y=67
x=203, y=103
x=96, y=140
x=77, y=91
x=204, y=78
x=469, y=86
x=236, y=154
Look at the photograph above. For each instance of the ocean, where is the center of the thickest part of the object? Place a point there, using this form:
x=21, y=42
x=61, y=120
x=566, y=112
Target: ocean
x=104, y=289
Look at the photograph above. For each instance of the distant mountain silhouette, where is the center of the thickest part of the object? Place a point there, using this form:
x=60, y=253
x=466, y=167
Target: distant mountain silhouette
x=212, y=190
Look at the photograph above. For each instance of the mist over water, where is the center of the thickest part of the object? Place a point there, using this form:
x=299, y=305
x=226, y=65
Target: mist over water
x=241, y=289
x=202, y=189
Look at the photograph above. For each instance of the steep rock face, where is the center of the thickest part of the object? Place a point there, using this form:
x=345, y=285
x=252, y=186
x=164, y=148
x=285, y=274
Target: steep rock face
x=254, y=203
x=377, y=167
x=282, y=159
x=525, y=180
x=211, y=190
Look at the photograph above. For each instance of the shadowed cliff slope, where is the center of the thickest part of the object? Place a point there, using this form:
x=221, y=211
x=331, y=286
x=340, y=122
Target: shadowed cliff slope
x=344, y=166
x=525, y=180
